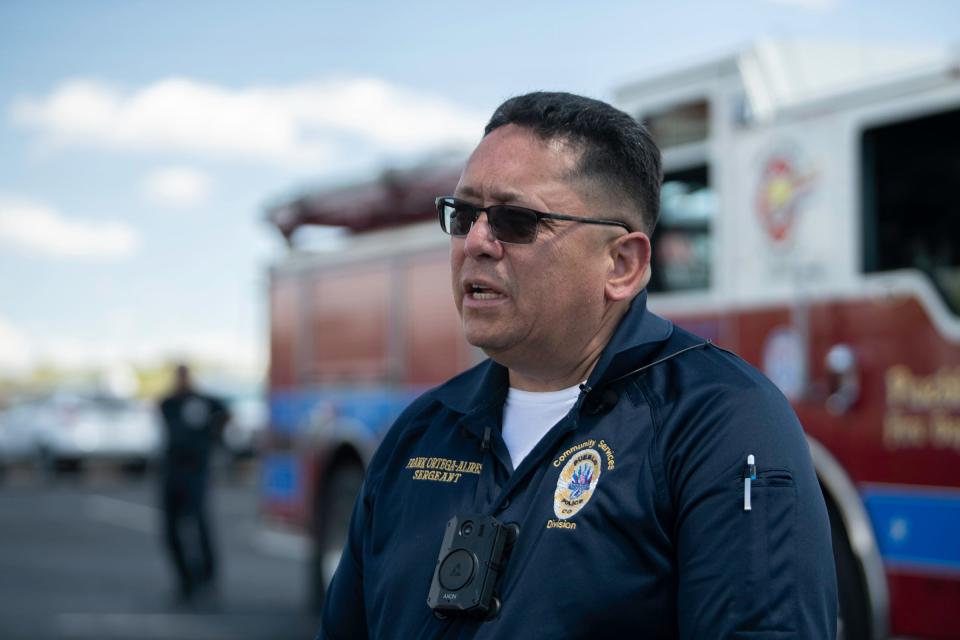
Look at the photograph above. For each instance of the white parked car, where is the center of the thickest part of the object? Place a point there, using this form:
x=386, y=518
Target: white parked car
x=248, y=420
x=72, y=429
x=17, y=436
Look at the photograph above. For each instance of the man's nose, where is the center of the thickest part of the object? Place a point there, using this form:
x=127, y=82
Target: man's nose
x=480, y=240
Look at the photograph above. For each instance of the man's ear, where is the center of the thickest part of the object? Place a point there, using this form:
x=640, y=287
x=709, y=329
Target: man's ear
x=630, y=266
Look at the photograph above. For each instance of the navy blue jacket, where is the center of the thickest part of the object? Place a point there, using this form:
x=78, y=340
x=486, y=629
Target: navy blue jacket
x=653, y=542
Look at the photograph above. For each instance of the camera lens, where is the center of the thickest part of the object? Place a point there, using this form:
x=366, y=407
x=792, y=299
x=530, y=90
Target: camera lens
x=466, y=528
x=457, y=569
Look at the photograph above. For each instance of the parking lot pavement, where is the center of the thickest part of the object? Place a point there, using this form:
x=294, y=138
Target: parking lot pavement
x=82, y=558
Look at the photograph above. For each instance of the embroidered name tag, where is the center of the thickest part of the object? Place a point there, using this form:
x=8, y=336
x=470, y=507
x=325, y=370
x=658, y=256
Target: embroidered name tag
x=442, y=469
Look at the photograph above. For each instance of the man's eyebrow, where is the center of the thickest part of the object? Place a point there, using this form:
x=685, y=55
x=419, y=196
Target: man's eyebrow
x=467, y=192
x=498, y=196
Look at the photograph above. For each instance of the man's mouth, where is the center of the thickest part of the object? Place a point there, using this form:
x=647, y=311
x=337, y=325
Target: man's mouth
x=478, y=291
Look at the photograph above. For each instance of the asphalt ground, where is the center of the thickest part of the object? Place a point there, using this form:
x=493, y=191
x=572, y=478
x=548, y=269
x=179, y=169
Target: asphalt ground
x=81, y=557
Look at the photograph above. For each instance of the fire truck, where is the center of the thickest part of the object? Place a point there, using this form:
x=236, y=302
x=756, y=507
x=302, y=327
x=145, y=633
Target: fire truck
x=810, y=223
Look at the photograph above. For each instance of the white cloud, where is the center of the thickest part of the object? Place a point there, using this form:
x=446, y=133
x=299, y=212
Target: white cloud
x=38, y=228
x=178, y=187
x=309, y=124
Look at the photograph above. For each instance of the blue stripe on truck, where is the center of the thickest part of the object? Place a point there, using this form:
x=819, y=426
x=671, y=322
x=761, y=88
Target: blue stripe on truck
x=373, y=409
x=916, y=527
x=280, y=478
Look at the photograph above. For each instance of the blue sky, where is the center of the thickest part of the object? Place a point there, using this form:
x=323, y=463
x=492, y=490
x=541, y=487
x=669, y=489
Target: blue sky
x=140, y=141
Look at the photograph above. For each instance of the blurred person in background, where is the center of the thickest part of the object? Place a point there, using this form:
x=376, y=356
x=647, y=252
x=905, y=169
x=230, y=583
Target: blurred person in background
x=662, y=487
x=193, y=425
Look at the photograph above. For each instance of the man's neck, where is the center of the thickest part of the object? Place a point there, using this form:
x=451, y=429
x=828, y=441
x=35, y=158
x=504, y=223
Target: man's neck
x=552, y=375
x=552, y=369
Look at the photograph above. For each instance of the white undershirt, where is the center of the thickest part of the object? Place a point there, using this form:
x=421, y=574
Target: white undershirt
x=528, y=415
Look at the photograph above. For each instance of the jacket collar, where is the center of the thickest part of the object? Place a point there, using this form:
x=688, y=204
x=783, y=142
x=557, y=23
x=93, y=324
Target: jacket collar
x=482, y=389
x=638, y=333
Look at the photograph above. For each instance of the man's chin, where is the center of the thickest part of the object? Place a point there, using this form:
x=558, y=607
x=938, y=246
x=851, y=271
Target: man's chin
x=489, y=344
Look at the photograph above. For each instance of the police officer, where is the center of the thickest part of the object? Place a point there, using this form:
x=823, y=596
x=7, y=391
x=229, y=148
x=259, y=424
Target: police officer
x=662, y=487
x=193, y=424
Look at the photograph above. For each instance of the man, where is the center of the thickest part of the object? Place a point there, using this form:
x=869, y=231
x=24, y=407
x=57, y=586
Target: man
x=193, y=423
x=616, y=441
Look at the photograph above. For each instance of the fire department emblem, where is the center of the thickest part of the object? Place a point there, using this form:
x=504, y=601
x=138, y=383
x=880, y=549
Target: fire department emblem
x=576, y=483
x=785, y=183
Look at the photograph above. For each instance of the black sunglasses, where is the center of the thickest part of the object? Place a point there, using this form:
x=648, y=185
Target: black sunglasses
x=516, y=225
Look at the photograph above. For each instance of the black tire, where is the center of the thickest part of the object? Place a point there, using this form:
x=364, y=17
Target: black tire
x=51, y=468
x=331, y=523
x=71, y=466
x=855, y=620
x=136, y=468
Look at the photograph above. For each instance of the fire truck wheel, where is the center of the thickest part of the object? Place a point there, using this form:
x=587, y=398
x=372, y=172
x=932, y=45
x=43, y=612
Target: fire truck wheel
x=332, y=522
x=854, y=615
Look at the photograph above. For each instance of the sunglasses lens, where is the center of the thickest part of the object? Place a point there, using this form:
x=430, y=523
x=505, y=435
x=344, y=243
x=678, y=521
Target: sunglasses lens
x=456, y=217
x=509, y=224
x=512, y=224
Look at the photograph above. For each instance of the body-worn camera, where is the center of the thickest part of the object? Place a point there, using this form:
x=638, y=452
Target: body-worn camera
x=470, y=562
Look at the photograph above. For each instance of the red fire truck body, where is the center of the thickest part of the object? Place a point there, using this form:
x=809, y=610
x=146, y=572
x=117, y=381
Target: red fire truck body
x=810, y=223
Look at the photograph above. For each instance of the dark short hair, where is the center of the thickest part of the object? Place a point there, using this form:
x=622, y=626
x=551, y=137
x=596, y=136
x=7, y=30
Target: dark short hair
x=617, y=150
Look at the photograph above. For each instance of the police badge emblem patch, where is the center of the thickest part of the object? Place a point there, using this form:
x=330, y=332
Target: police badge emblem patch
x=576, y=483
